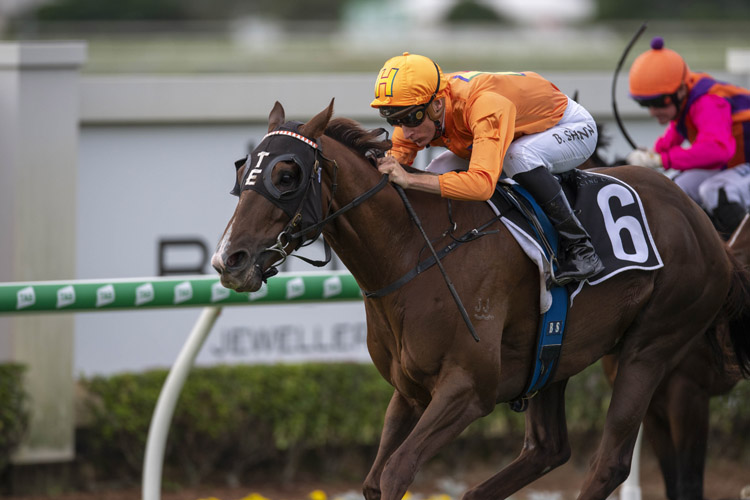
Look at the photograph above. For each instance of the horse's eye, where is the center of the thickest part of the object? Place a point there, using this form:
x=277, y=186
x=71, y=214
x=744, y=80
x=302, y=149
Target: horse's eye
x=286, y=180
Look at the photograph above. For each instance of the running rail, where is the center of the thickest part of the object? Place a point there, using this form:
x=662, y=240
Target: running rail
x=150, y=293
x=184, y=291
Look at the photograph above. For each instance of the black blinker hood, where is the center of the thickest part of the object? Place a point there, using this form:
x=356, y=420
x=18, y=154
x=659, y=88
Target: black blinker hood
x=303, y=203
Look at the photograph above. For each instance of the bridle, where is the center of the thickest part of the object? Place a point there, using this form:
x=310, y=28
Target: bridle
x=303, y=204
x=309, y=198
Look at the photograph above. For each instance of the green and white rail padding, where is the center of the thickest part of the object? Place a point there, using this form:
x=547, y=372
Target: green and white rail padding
x=179, y=291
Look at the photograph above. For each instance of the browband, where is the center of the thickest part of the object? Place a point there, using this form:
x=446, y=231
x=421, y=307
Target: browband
x=302, y=138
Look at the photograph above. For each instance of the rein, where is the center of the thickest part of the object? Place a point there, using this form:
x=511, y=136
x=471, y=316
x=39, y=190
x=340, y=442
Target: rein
x=448, y=281
x=318, y=227
x=430, y=261
x=352, y=204
x=286, y=236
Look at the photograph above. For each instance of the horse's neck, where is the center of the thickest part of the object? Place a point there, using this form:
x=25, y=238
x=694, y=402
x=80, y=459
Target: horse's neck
x=376, y=240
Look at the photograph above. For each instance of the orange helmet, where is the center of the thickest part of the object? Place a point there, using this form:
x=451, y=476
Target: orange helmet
x=657, y=72
x=408, y=80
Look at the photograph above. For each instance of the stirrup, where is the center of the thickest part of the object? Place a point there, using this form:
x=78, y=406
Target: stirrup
x=570, y=276
x=579, y=275
x=552, y=279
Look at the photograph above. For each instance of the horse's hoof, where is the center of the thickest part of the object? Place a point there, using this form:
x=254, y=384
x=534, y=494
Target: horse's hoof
x=371, y=493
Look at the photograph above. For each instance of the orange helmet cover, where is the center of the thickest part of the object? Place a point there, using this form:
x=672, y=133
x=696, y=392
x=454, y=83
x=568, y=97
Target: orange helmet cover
x=656, y=72
x=407, y=80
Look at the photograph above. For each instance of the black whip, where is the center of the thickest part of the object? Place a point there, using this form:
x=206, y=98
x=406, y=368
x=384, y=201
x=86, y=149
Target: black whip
x=614, y=84
x=448, y=282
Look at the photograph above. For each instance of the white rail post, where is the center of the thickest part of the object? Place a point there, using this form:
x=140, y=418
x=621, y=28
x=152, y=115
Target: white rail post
x=631, y=488
x=159, y=427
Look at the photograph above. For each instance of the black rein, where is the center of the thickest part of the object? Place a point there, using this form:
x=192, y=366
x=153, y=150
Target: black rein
x=318, y=227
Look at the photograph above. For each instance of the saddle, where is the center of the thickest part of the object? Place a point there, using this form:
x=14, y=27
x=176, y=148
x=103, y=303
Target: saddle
x=610, y=210
x=600, y=201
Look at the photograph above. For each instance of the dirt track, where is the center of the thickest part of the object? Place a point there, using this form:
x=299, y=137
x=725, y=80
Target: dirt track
x=724, y=480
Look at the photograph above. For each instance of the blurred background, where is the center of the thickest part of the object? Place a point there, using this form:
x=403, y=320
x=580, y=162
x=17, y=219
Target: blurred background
x=260, y=36
x=120, y=122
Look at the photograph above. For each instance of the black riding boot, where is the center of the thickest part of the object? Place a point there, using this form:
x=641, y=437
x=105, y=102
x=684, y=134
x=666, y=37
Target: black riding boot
x=727, y=215
x=577, y=259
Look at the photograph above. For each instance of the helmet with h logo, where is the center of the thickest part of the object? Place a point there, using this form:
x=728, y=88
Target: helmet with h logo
x=405, y=87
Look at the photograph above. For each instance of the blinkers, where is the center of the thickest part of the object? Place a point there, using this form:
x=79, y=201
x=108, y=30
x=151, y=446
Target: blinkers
x=301, y=201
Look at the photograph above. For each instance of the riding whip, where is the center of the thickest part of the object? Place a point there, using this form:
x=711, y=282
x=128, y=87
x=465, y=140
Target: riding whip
x=448, y=281
x=614, y=84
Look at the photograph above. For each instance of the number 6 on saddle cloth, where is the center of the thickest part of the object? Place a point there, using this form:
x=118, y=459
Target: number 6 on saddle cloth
x=612, y=213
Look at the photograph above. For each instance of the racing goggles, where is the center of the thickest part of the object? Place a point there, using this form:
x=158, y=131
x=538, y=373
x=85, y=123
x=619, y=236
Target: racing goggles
x=405, y=116
x=661, y=101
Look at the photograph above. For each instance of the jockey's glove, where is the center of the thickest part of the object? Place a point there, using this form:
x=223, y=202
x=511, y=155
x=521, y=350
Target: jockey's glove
x=645, y=158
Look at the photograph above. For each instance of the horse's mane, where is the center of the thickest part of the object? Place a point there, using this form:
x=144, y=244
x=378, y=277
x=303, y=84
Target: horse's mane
x=351, y=134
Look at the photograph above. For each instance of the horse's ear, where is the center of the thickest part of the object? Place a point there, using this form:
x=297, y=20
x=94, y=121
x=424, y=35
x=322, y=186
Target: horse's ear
x=277, y=117
x=317, y=125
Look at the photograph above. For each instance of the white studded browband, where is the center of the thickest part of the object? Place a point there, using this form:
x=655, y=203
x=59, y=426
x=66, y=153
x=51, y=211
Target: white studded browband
x=302, y=138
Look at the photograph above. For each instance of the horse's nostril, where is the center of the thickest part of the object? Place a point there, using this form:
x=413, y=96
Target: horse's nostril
x=217, y=262
x=237, y=260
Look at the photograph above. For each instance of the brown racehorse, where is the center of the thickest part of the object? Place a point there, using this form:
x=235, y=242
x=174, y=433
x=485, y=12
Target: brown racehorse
x=676, y=424
x=443, y=379
x=677, y=421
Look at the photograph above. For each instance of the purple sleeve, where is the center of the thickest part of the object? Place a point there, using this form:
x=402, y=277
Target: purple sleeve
x=714, y=144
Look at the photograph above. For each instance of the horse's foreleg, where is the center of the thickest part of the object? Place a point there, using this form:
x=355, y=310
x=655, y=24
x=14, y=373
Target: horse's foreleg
x=453, y=407
x=689, y=416
x=634, y=385
x=545, y=446
x=400, y=418
x=657, y=431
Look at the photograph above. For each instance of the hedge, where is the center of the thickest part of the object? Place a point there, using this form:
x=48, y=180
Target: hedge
x=288, y=419
x=235, y=415
x=14, y=413
x=238, y=417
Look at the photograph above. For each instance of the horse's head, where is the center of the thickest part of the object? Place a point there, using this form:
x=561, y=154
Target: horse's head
x=279, y=191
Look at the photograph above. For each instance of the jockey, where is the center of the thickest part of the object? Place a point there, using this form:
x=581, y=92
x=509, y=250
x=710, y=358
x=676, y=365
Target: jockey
x=518, y=123
x=713, y=116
